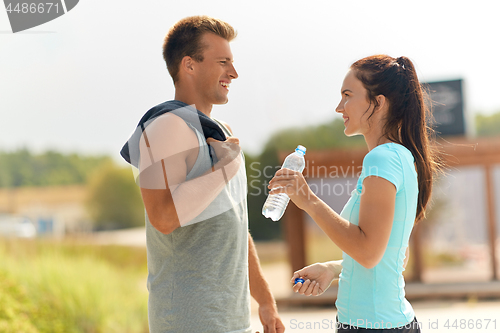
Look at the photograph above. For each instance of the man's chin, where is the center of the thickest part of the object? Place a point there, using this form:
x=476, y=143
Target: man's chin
x=222, y=101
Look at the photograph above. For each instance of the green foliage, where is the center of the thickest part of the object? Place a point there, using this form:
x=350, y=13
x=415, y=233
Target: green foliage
x=22, y=168
x=114, y=199
x=118, y=256
x=260, y=227
x=488, y=125
x=16, y=307
x=44, y=289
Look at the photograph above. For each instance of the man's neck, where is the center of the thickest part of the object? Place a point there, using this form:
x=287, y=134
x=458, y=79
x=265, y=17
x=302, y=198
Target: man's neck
x=191, y=100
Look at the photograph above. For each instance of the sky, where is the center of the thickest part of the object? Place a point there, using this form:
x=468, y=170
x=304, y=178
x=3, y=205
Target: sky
x=81, y=82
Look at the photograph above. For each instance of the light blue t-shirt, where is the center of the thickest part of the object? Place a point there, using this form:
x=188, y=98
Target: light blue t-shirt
x=375, y=298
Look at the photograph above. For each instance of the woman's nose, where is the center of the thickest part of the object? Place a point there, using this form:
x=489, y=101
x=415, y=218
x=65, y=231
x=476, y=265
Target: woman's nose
x=339, y=108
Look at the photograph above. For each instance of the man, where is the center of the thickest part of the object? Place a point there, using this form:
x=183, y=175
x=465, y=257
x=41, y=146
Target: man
x=202, y=261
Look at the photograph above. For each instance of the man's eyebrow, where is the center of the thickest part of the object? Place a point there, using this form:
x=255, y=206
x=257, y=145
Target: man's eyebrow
x=225, y=58
x=345, y=90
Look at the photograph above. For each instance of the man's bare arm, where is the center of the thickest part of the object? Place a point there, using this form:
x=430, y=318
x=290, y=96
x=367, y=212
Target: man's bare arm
x=260, y=291
x=168, y=149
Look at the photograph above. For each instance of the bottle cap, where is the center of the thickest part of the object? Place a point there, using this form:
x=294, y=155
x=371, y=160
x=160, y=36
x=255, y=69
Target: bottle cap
x=301, y=280
x=301, y=149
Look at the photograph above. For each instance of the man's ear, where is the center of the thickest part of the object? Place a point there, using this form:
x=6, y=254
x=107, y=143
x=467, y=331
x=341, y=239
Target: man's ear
x=187, y=65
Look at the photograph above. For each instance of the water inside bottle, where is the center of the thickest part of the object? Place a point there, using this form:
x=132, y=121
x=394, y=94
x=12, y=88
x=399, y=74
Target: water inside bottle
x=274, y=206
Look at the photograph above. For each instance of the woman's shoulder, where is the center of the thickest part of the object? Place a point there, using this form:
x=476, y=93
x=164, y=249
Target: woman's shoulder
x=390, y=147
x=387, y=161
x=388, y=155
x=382, y=151
x=390, y=150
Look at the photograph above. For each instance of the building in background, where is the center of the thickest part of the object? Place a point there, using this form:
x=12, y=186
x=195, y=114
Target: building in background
x=53, y=211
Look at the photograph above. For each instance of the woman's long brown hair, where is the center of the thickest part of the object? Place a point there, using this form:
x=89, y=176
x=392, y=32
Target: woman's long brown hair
x=408, y=115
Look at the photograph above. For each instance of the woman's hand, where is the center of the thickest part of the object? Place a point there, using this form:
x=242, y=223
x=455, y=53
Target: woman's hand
x=294, y=185
x=318, y=278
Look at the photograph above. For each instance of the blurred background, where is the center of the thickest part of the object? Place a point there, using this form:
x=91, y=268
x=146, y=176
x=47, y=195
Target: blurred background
x=72, y=242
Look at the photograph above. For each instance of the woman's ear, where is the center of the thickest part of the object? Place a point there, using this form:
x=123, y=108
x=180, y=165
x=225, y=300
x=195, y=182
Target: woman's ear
x=383, y=103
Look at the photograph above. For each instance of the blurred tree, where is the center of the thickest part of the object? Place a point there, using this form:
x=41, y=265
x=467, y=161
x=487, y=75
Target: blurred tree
x=488, y=125
x=114, y=200
x=22, y=168
x=260, y=227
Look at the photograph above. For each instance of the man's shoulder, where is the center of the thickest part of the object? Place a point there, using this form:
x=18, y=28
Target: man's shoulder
x=159, y=110
x=170, y=125
x=168, y=105
x=226, y=125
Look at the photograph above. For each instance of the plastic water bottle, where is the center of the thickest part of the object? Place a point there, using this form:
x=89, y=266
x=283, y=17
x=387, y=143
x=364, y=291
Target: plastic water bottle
x=275, y=205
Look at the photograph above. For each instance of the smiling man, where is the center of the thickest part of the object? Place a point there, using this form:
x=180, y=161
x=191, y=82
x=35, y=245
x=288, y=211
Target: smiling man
x=202, y=262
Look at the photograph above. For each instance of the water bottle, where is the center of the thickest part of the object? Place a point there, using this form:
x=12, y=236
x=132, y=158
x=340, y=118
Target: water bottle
x=275, y=205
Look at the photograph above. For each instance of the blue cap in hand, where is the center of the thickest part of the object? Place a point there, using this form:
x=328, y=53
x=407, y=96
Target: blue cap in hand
x=301, y=280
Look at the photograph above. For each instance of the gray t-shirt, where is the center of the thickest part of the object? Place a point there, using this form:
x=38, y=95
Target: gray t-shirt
x=198, y=274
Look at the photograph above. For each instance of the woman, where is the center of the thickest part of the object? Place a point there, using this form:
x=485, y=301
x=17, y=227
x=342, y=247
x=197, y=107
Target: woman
x=382, y=100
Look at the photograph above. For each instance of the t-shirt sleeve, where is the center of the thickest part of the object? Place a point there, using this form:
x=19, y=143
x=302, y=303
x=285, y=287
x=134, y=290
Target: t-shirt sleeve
x=384, y=163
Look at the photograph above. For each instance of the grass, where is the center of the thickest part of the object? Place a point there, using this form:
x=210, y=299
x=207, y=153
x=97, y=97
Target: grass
x=62, y=287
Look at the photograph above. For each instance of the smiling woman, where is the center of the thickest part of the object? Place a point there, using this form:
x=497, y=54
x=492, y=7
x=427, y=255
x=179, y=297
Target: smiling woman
x=354, y=107
x=383, y=101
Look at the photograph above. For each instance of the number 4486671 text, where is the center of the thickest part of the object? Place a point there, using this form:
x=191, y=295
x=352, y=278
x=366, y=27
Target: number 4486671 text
x=471, y=324
x=33, y=8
